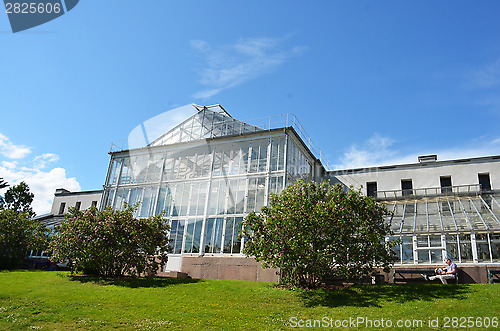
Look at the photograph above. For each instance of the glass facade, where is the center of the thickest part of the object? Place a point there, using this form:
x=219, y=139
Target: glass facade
x=206, y=175
x=465, y=228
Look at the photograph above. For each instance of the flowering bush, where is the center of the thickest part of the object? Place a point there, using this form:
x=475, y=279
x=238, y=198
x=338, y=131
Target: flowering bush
x=18, y=232
x=312, y=231
x=112, y=243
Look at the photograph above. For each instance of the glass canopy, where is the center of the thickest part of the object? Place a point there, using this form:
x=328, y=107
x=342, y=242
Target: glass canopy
x=445, y=214
x=209, y=122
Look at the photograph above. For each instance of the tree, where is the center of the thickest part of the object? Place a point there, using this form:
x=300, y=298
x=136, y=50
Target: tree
x=18, y=232
x=111, y=243
x=3, y=184
x=312, y=231
x=19, y=199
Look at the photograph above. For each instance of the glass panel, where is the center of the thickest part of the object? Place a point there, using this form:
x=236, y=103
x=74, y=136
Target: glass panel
x=495, y=246
x=188, y=246
x=121, y=198
x=109, y=199
x=181, y=199
x=483, y=248
x=177, y=234
x=139, y=168
x=276, y=184
x=261, y=190
x=434, y=219
x=168, y=168
x=209, y=236
x=164, y=200
x=217, y=248
x=148, y=202
x=198, y=197
x=115, y=171
x=422, y=241
x=228, y=235
x=252, y=190
x=460, y=218
x=452, y=247
x=407, y=249
x=396, y=249
x=217, y=198
x=409, y=219
x=236, y=196
x=447, y=216
x=126, y=171
x=436, y=254
x=474, y=218
x=217, y=166
x=423, y=254
x=198, y=224
x=465, y=248
x=238, y=221
x=135, y=198
x=485, y=212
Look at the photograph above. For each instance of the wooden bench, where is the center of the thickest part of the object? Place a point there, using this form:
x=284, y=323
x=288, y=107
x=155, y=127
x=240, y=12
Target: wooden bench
x=402, y=272
x=492, y=274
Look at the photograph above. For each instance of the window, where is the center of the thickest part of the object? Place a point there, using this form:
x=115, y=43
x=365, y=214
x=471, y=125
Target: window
x=94, y=204
x=78, y=205
x=407, y=187
x=445, y=184
x=371, y=189
x=61, y=208
x=484, y=181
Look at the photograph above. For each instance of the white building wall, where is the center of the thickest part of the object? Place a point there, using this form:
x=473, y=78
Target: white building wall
x=71, y=198
x=423, y=175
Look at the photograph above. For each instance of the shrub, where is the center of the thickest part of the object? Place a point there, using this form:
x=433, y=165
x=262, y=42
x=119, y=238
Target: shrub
x=112, y=243
x=312, y=231
x=18, y=233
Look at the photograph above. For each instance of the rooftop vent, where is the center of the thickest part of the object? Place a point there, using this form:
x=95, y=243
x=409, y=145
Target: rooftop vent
x=427, y=158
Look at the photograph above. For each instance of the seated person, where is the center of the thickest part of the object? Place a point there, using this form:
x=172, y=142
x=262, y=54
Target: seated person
x=449, y=272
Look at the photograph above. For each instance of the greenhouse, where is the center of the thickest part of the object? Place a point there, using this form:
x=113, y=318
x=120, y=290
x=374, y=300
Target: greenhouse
x=207, y=174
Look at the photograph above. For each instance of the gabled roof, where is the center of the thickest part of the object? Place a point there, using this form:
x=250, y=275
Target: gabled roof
x=209, y=122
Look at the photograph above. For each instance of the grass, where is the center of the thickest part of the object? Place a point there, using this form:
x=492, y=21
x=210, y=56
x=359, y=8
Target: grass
x=57, y=300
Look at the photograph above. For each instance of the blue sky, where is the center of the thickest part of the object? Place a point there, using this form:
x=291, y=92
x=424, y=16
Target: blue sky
x=372, y=82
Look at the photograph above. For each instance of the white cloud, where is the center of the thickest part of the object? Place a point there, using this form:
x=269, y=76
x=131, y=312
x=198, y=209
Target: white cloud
x=40, y=161
x=231, y=65
x=375, y=151
x=379, y=151
x=11, y=150
x=42, y=183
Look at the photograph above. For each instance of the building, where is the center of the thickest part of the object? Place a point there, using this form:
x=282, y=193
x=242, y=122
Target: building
x=62, y=202
x=210, y=171
x=441, y=209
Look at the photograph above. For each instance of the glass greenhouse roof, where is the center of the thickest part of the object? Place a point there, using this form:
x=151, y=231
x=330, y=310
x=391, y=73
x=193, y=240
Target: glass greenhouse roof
x=209, y=122
x=445, y=214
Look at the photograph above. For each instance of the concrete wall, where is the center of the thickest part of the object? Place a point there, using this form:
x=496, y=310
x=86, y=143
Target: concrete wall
x=231, y=267
x=423, y=175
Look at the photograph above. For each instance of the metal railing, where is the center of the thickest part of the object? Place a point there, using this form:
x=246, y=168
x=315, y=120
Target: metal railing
x=474, y=189
x=287, y=121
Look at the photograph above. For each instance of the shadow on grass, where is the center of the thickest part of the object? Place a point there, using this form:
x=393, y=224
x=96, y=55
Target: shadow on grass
x=372, y=296
x=132, y=282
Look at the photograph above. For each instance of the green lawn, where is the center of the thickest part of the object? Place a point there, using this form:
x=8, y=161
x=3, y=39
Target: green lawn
x=55, y=300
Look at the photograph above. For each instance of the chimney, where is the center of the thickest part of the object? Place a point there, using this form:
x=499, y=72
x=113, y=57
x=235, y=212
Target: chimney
x=427, y=158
